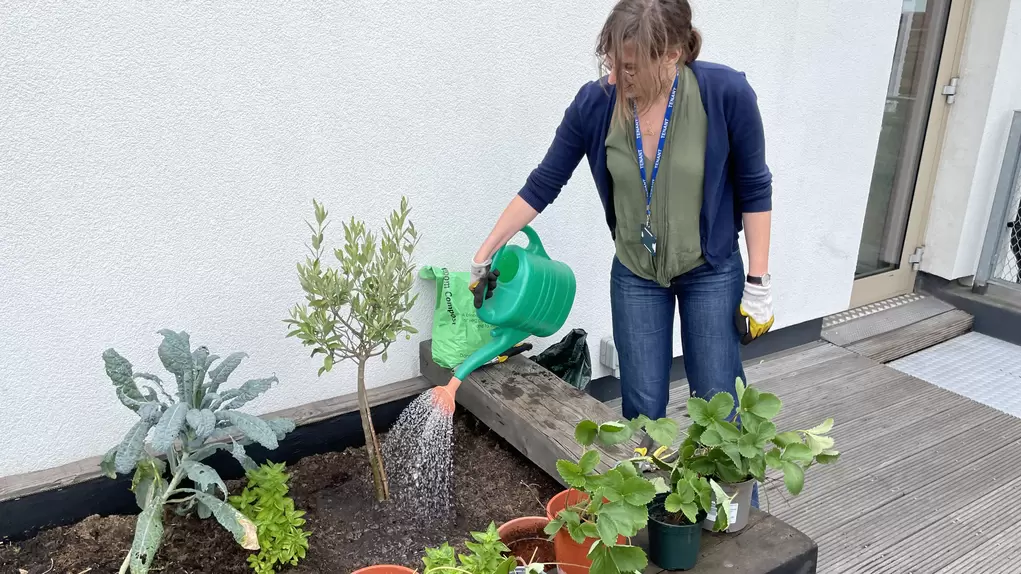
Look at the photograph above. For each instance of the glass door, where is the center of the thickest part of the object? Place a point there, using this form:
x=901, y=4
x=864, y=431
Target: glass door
x=916, y=107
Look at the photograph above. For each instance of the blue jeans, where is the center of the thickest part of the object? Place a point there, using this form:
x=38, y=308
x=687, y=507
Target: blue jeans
x=643, y=328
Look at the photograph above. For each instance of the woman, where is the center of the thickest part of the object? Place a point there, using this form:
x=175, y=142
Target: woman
x=677, y=185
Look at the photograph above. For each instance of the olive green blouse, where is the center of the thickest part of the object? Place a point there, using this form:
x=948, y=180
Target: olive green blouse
x=677, y=196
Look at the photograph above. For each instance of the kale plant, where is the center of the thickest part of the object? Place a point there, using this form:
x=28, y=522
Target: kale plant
x=487, y=555
x=201, y=420
x=735, y=445
x=264, y=500
x=355, y=312
x=615, y=502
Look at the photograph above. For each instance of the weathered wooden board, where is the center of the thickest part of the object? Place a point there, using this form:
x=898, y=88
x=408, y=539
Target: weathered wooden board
x=530, y=407
x=902, y=342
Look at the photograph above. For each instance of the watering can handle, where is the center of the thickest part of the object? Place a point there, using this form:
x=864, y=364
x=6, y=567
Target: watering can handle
x=534, y=243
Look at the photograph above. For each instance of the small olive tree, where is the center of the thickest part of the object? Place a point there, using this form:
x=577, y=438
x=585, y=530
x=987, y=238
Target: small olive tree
x=356, y=310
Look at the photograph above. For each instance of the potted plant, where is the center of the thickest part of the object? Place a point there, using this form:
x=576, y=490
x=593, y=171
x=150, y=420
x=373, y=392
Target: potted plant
x=592, y=521
x=385, y=569
x=527, y=540
x=675, y=518
x=734, y=447
x=487, y=554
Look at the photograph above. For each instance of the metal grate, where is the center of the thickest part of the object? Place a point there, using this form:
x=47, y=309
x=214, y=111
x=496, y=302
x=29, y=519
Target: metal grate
x=1001, y=252
x=1008, y=260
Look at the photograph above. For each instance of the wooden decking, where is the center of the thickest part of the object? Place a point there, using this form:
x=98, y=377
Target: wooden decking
x=926, y=478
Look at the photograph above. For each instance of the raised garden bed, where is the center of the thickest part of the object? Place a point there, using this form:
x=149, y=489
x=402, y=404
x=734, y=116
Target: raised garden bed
x=493, y=482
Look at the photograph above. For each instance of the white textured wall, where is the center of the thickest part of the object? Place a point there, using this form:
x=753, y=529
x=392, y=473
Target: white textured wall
x=158, y=161
x=988, y=92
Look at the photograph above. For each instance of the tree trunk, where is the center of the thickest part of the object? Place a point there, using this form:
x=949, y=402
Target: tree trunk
x=379, y=480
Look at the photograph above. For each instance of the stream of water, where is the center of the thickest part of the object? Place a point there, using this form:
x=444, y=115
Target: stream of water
x=418, y=452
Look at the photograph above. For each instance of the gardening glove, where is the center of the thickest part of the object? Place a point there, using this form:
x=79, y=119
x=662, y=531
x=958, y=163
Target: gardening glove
x=754, y=317
x=482, y=281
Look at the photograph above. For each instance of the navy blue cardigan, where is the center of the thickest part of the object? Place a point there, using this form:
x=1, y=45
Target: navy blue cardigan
x=737, y=179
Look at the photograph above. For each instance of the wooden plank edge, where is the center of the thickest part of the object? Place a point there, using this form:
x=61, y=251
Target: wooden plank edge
x=63, y=476
x=899, y=343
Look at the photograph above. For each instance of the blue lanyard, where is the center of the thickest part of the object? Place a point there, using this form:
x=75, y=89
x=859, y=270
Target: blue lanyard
x=649, y=184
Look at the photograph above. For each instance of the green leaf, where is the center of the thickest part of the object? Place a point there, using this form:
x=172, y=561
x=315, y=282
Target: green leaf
x=659, y=485
x=572, y=473
x=175, y=353
x=617, y=559
x=673, y=503
x=589, y=530
x=585, y=433
x=555, y=525
x=757, y=467
x=107, y=464
x=793, y=477
x=773, y=459
x=169, y=427
x=147, y=483
x=721, y=405
x=732, y=451
x=219, y=375
x=664, y=431
x=203, y=476
x=768, y=406
x=728, y=431
x=607, y=531
x=739, y=386
x=823, y=428
x=148, y=538
x=827, y=457
x=722, y=501
x=785, y=438
x=747, y=446
x=638, y=491
x=698, y=409
x=253, y=427
x=818, y=444
x=120, y=372
x=202, y=422
x=246, y=393
x=281, y=427
x=690, y=511
x=130, y=449
x=589, y=461
x=796, y=452
x=614, y=433
x=243, y=529
x=626, y=518
x=711, y=437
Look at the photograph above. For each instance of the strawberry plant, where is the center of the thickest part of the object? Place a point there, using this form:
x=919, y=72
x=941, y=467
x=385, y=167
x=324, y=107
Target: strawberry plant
x=264, y=500
x=612, y=504
x=185, y=431
x=486, y=555
x=735, y=445
x=356, y=311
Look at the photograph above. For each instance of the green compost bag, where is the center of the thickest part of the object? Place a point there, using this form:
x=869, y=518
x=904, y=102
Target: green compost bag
x=457, y=330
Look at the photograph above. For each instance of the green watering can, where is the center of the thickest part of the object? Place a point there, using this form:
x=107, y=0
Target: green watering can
x=533, y=296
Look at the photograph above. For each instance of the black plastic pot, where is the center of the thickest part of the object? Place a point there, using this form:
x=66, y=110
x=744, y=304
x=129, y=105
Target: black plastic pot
x=672, y=546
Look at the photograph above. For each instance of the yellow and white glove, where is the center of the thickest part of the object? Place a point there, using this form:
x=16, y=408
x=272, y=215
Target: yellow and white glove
x=754, y=317
x=482, y=281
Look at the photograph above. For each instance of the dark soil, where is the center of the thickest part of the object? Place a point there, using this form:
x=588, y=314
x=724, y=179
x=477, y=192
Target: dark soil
x=533, y=546
x=350, y=530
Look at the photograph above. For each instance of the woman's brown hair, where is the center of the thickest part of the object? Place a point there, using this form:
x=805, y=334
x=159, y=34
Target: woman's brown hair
x=652, y=28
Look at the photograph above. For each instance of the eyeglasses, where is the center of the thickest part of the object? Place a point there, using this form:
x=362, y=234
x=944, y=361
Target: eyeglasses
x=629, y=69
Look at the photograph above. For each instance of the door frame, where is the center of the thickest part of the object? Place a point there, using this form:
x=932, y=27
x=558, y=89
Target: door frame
x=901, y=281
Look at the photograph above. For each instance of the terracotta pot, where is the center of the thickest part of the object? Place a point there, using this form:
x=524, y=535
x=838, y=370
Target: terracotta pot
x=572, y=557
x=527, y=541
x=384, y=569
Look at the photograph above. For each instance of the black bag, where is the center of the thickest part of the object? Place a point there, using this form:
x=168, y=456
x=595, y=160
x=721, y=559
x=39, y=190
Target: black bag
x=569, y=359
